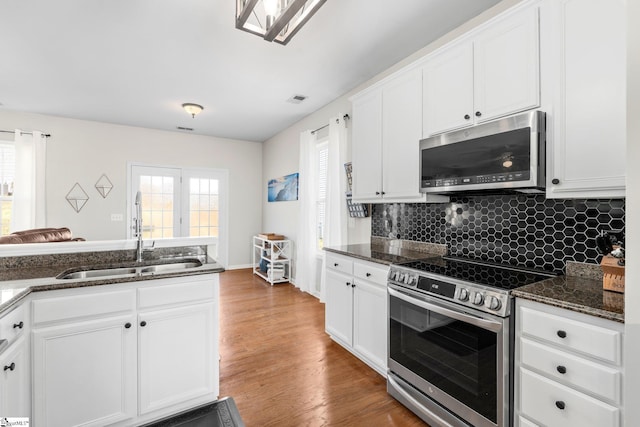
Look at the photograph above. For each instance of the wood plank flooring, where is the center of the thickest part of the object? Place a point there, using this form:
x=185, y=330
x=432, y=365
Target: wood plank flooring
x=282, y=369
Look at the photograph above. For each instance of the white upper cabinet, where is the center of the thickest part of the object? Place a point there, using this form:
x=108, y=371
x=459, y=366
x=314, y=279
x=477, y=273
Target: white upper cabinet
x=366, y=146
x=585, y=47
x=386, y=132
x=493, y=72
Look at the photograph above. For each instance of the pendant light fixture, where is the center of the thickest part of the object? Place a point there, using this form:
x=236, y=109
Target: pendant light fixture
x=192, y=109
x=275, y=20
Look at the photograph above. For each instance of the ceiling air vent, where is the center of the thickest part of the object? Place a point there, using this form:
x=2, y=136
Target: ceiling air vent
x=296, y=99
x=184, y=128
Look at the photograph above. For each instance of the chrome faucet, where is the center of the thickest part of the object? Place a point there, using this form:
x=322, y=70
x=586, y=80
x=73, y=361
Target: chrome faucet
x=137, y=227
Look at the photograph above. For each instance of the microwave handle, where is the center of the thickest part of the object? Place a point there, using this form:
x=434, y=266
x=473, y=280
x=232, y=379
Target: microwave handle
x=490, y=325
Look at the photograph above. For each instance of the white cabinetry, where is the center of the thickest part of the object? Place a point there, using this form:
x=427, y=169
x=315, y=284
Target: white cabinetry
x=124, y=357
x=585, y=47
x=386, y=132
x=491, y=72
x=271, y=259
x=15, y=362
x=356, y=308
x=568, y=368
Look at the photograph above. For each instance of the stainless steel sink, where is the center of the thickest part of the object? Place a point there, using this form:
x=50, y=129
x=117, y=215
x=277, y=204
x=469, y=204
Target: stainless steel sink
x=143, y=270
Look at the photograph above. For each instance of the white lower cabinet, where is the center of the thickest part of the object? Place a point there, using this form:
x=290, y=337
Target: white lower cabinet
x=356, y=308
x=124, y=357
x=568, y=366
x=15, y=363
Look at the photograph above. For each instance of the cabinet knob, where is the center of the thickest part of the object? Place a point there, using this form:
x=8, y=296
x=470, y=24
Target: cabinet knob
x=555, y=181
x=335, y=264
x=478, y=113
x=562, y=369
x=127, y=325
x=562, y=334
x=10, y=367
x=560, y=404
x=143, y=323
x=353, y=285
x=18, y=325
x=348, y=283
x=467, y=117
x=368, y=274
x=383, y=193
x=377, y=193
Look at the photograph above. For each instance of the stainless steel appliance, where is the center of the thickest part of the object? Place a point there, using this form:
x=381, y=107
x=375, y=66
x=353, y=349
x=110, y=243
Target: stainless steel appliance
x=451, y=339
x=506, y=154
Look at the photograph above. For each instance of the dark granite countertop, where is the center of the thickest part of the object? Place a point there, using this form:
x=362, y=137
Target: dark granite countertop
x=577, y=293
x=17, y=283
x=581, y=294
x=382, y=254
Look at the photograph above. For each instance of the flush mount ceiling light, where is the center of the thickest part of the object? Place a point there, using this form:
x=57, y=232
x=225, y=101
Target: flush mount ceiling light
x=275, y=20
x=192, y=109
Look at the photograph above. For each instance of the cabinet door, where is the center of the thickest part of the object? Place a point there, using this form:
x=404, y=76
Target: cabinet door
x=15, y=391
x=370, y=323
x=86, y=373
x=339, y=307
x=589, y=123
x=366, y=146
x=401, y=133
x=507, y=67
x=448, y=90
x=177, y=356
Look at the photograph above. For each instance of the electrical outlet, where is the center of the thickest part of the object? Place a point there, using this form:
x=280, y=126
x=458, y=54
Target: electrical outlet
x=116, y=217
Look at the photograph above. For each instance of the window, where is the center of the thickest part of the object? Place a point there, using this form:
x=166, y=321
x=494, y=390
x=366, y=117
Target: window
x=7, y=176
x=322, y=152
x=178, y=202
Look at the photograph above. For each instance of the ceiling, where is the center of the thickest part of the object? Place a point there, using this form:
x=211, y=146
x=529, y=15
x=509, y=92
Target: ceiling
x=134, y=62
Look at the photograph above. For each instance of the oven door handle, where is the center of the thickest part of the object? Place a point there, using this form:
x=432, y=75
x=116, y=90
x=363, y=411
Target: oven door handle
x=490, y=325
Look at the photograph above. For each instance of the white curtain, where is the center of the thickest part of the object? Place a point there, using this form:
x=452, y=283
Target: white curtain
x=28, y=207
x=336, y=209
x=306, y=264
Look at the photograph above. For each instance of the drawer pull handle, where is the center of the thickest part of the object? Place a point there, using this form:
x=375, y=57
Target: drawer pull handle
x=560, y=404
x=368, y=274
x=562, y=334
x=18, y=325
x=562, y=369
x=10, y=367
x=143, y=323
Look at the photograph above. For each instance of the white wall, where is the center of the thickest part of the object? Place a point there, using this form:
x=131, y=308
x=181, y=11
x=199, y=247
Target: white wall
x=81, y=151
x=632, y=290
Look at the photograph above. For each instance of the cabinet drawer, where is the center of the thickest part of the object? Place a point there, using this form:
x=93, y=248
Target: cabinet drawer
x=542, y=400
x=371, y=273
x=13, y=323
x=573, y=335
x=341, y=264
x=578, y=372
x=177, y=293
x=77, y=306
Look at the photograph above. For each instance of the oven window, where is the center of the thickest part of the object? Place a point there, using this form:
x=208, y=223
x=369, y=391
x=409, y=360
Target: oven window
x=457, y=357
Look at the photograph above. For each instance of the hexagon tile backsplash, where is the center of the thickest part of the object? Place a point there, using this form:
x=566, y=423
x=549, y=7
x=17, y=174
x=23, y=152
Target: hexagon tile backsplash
x=527, y=230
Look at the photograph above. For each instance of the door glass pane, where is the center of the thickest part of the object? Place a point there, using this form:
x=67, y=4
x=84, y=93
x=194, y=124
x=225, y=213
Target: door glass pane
x=157, y=206
x=203, y=205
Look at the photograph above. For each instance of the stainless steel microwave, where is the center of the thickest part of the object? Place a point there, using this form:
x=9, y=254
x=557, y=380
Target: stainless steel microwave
x=506, y=154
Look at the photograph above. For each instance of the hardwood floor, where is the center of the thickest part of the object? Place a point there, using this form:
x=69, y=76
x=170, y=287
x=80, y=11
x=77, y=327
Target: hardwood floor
x=282, y=369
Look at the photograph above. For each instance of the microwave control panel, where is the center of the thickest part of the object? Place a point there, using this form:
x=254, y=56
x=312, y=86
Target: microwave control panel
x=479, y=179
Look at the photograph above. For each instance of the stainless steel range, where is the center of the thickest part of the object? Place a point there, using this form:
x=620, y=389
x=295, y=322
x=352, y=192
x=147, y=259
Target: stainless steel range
x=451, y=339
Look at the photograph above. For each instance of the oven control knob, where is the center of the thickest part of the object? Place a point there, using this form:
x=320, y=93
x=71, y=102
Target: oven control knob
x=464, y=294
x=400, y=277
x=407, y=279
x=493, y=303
x=478, y=299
